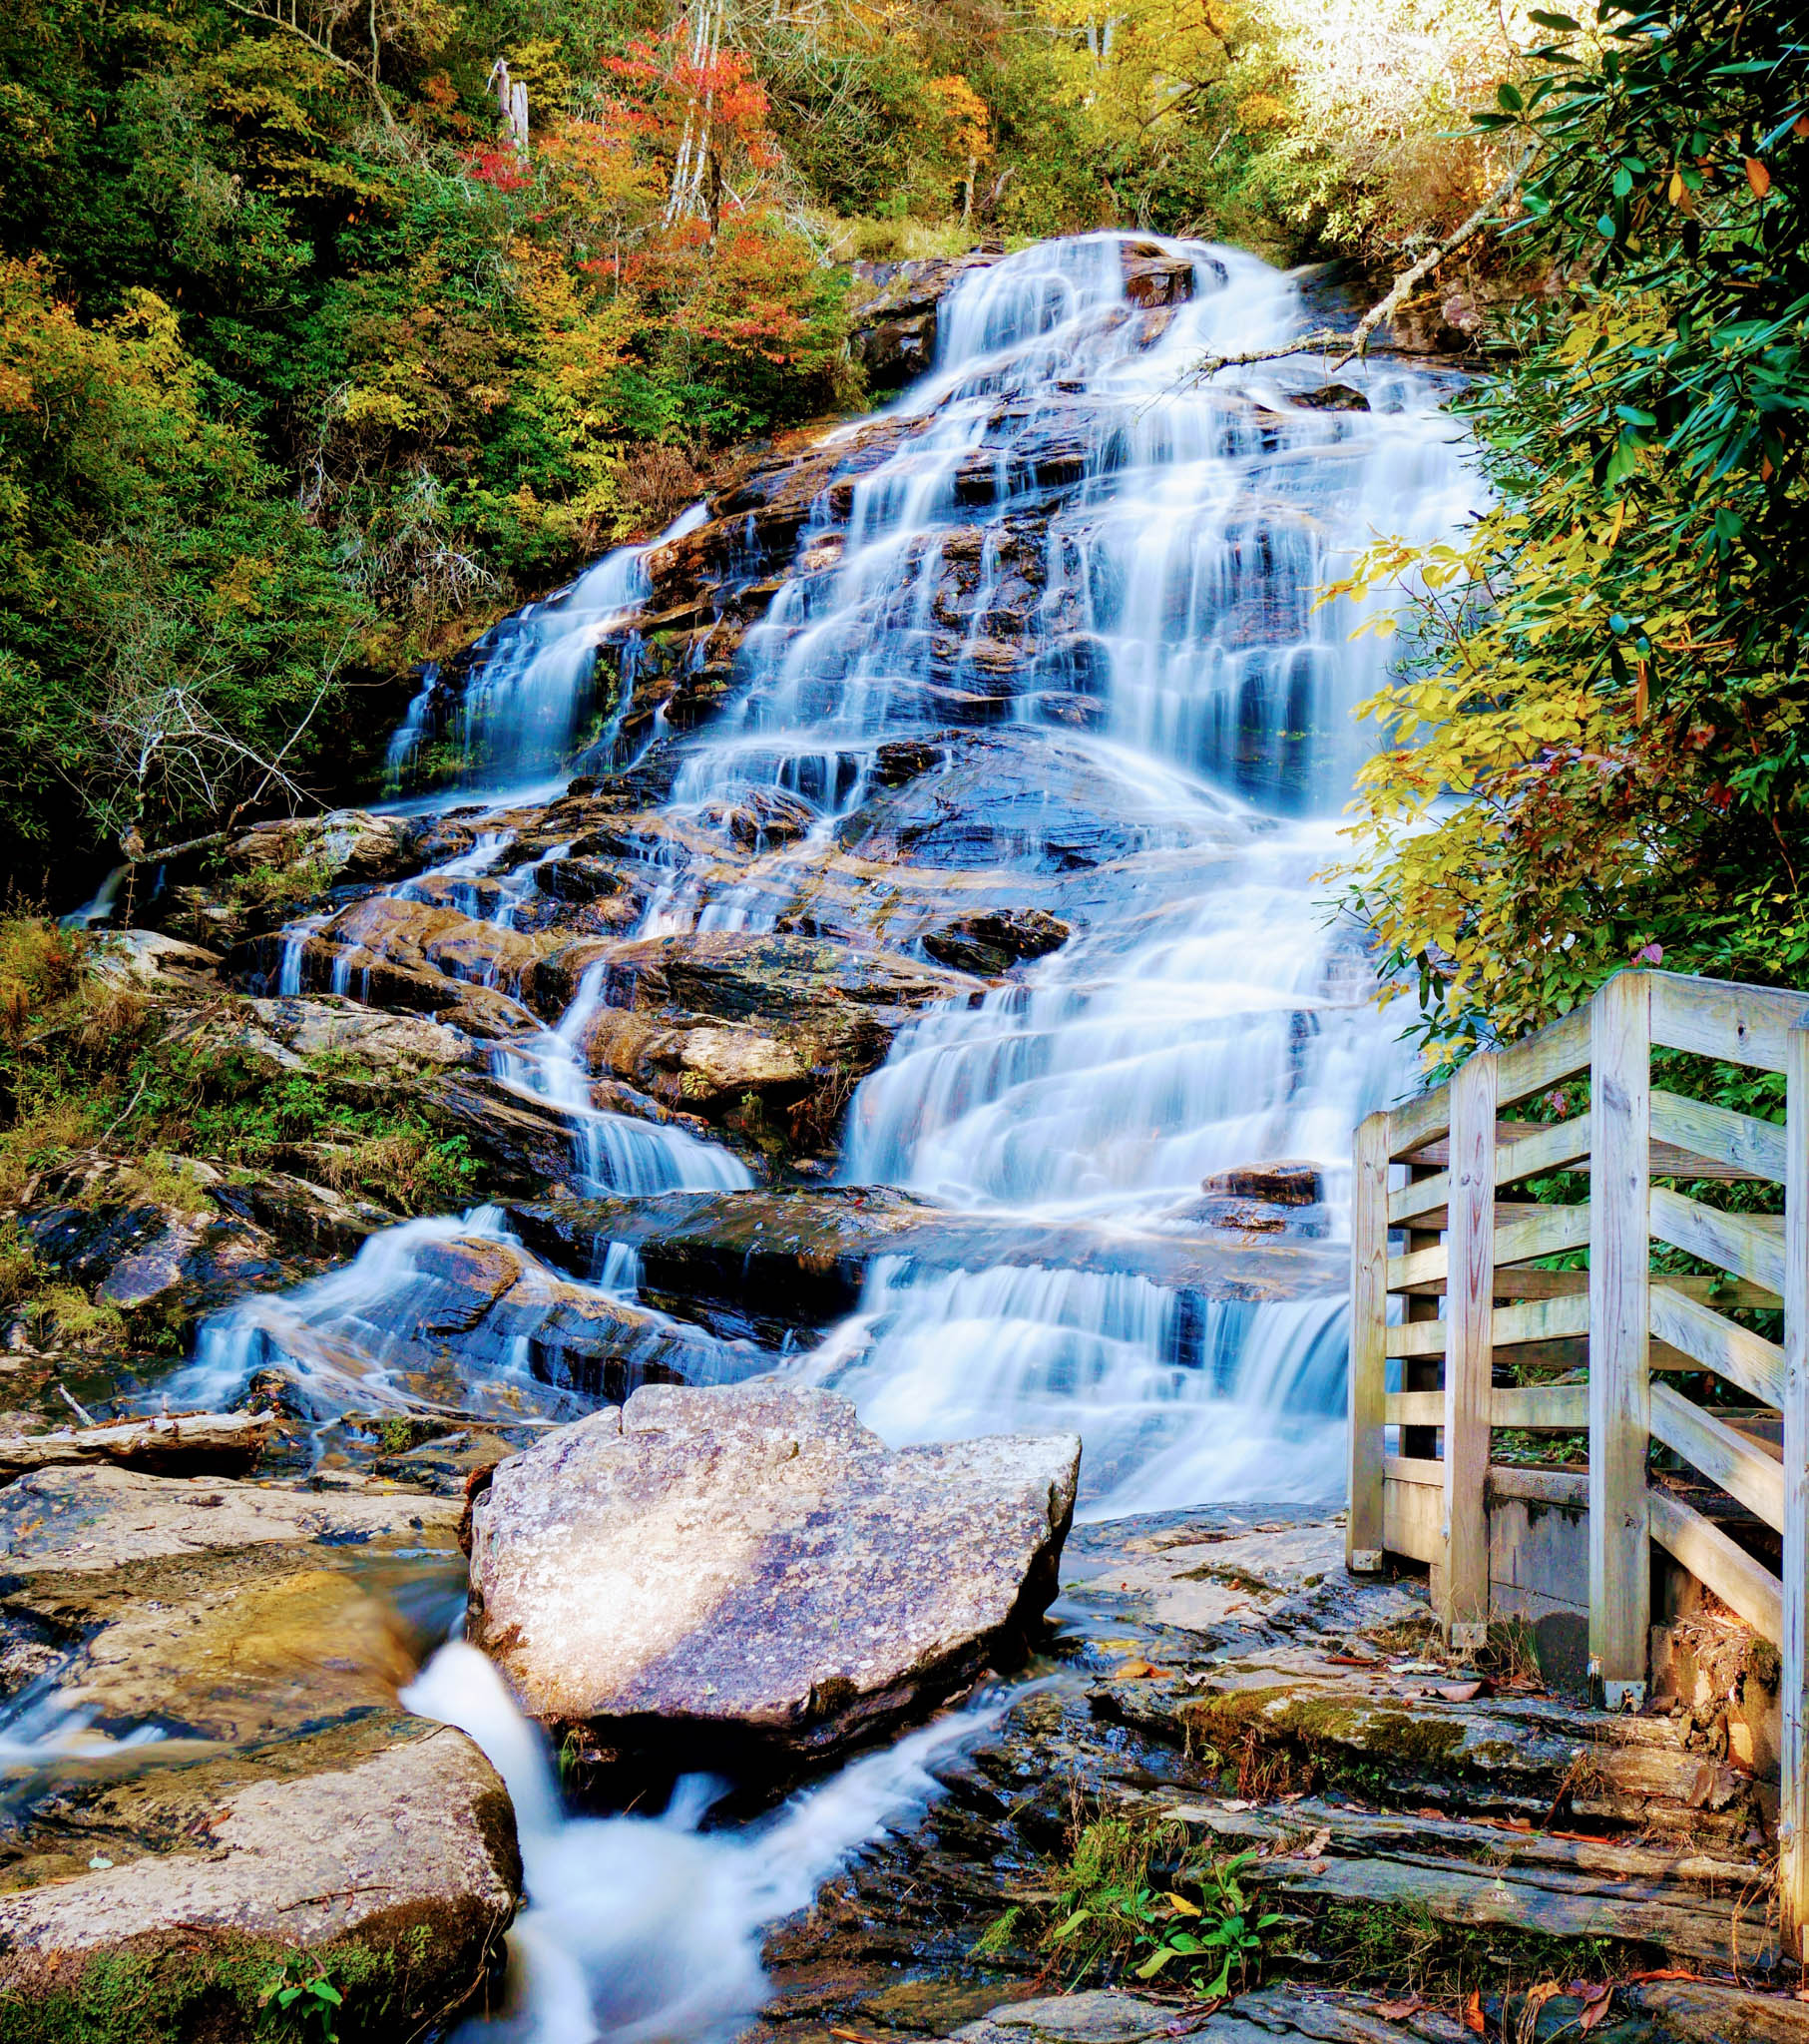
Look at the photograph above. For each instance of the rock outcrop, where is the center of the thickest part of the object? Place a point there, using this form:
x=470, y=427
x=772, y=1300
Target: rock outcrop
x=891, y=311
x=751, y=1573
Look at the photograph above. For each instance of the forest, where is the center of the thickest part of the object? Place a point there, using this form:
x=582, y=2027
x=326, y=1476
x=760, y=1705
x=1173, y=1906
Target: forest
x=308, y=372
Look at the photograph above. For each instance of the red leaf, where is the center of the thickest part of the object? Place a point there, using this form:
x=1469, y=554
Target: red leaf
x=1473, y=2013
x=1758, y=176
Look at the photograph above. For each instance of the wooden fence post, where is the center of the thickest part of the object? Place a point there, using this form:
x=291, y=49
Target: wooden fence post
x=1469, y=1350
x=1620, y=1338
x=1793, y=1756
x=1368, y=1343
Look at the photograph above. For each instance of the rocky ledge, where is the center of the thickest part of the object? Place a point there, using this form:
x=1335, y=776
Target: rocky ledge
x=212, y=1788
x=750, y=1574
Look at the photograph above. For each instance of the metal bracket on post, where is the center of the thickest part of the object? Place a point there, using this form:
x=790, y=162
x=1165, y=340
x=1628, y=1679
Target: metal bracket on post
x=1366, y=1561
x=1469, y=1637
x=1625, y=1699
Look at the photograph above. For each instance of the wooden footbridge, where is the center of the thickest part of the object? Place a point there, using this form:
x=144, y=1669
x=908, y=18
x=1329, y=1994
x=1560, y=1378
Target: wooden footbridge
x=1671, y=1327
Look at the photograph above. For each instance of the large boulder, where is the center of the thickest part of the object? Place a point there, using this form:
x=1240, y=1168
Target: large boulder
x=748, y=1573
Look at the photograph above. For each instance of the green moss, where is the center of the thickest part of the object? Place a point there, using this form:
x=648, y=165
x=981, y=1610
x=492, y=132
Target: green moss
x=174, y=1987
x=1401, y=1946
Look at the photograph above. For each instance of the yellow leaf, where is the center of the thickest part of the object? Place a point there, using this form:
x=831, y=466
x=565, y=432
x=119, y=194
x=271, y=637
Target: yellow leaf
x=1181, y=1903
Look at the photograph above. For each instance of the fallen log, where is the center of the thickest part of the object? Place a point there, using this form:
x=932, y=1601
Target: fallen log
x=170, y=1444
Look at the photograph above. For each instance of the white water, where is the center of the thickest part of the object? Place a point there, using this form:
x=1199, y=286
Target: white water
x=1146, y=554
x=646, y=1931
x=1202, y=1015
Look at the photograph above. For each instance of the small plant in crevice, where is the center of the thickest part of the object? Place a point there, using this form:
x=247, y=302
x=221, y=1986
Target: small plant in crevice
x=301, y=1998
x=1140, y=1899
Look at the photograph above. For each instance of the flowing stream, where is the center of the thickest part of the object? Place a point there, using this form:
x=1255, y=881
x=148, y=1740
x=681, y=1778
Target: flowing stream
x=1168, y=751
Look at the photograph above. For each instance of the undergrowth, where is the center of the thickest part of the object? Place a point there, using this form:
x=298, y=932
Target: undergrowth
x=89, y=1065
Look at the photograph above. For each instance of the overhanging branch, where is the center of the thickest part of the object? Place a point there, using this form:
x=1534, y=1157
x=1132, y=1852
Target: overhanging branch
x=1356, y=343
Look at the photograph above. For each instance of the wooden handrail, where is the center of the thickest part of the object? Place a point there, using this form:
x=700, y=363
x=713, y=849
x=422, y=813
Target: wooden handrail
x=1635, y=1338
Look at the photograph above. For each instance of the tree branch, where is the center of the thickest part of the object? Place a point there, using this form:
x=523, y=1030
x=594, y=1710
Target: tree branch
x=271, y=18
x=1356, y=343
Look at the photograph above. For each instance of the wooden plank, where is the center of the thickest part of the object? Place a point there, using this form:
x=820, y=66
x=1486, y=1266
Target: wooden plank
x=1719, y=1018
x=1414, y=1408
x=1427, y=1471
x=1793, y=1691
x=1540, y=1409
x=1738, y=1142
x=1363, y=1541
x=1411, y=1519
x=1522, y=1150
x=1544, y=1232
x=1547, y=1149
x=1536, y=1232
x=1436, y=1154
x=1420, y=1373
x=1416, y=1337
x=1417, y=1267
x=1750, y=1245
x=1438, y=1218
x=1470, y=1350
x=1620, y=1337
x=1725, y=1457
x=1742, y=1584
x=1417, y=1120
x=1731, y=1351
x=1669, y=1160
x=1541, y=1320
x=1535, y=1062
x=1515, y=1282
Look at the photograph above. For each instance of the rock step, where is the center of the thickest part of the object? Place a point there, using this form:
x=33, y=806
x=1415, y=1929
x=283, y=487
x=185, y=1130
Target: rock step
x=1690, y=1903
x=1514, y=1756
x=802, y=1256
x=1652, y=2011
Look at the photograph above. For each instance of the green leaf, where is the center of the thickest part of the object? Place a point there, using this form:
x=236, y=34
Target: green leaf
x=1154, y=1963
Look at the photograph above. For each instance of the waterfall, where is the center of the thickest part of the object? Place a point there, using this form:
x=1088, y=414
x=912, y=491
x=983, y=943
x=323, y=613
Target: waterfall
x=1082, y=581
x=1145, y=555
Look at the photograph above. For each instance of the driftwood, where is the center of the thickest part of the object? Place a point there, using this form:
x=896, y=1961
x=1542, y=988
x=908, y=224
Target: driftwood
x=172, y=1444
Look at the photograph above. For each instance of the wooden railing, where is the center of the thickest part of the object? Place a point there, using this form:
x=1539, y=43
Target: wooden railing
x=1433, y=1170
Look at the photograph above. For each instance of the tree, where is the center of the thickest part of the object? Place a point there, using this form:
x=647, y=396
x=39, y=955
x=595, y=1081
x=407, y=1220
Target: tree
x=1609, y=672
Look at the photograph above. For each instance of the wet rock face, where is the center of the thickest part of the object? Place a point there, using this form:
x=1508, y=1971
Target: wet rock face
x=711, y=1024
x=891, y=311
x=396, y=1878
x=1285, y=1185
x=750, y=1572
x=995, y=943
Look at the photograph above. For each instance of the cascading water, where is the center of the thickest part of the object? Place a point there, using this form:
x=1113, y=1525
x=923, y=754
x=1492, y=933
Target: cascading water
x=1163, y=615
x=1135, y=720
x=1145, y=719
x=646, y=1931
